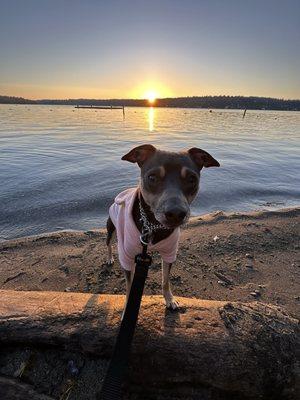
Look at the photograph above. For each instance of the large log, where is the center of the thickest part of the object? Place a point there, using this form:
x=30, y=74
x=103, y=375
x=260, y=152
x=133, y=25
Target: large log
x=12, y=389
x=244, y=349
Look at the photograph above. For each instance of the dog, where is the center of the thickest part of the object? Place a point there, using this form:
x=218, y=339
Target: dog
x=169, y=183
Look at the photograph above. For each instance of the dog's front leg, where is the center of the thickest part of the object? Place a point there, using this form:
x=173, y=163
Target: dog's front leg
x=167, y=293
x=111, y=230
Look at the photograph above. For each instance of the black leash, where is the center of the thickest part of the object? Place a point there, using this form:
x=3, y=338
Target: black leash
x=112, y=385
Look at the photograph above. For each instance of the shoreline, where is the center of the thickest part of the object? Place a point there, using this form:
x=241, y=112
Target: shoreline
x=209, y=218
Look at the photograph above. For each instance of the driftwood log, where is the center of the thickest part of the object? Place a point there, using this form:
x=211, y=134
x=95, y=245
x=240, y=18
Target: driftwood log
x=241, y=350
x=14, y=390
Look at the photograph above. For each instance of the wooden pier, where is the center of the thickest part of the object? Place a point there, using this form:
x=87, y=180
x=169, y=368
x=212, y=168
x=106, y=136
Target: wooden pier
x=102, y=107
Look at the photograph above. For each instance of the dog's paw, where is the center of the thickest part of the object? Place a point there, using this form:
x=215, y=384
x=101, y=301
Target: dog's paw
x=172, y=304
x=110, y=262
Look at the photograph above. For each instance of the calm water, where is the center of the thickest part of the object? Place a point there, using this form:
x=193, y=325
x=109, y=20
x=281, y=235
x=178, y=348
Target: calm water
x=60, y=168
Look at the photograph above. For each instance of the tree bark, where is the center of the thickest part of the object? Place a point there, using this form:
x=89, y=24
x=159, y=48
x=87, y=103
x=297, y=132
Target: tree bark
x=244, y=349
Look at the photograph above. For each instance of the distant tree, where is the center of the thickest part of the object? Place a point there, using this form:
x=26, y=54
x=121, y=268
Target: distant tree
x=220, y=102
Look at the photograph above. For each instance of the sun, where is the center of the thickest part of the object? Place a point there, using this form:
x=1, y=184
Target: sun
x=151, y=91
x=151, y=97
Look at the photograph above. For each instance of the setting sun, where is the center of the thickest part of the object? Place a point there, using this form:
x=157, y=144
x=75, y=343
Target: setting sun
x=151, y=97
x=150, y=90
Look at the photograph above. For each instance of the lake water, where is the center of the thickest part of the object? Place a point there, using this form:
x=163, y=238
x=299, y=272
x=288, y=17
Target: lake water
x=60, y=167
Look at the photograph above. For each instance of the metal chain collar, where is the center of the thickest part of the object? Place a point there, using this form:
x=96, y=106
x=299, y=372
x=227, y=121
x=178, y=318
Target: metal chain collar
x=147, y=227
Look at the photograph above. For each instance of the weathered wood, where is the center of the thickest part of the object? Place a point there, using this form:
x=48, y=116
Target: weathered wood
x=12, y=389
x=242, y=348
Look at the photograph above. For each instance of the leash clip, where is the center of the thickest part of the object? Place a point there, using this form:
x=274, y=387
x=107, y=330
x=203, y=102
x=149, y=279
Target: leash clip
x=145, y=238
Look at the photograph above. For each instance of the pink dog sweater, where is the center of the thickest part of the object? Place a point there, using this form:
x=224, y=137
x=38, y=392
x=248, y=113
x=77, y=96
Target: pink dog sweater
x=128, y=236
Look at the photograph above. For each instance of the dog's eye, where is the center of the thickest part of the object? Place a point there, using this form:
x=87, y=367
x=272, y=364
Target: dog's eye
x=152, y=178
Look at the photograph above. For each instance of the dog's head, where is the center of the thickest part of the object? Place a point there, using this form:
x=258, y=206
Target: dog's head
x=170, y=180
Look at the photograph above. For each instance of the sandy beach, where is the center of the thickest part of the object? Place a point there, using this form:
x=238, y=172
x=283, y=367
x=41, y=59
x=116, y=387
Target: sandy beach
x=242, y=257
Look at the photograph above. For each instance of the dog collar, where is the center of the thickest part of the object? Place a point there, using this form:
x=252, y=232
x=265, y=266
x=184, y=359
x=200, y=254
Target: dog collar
x=147, y=227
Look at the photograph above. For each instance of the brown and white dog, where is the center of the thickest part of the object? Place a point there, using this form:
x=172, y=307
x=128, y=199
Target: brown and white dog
x=168, y=185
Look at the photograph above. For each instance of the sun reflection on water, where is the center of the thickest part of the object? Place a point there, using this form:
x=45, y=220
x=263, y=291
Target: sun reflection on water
x=151, y=116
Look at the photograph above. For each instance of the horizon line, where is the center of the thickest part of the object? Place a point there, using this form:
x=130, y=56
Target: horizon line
x=145, y=99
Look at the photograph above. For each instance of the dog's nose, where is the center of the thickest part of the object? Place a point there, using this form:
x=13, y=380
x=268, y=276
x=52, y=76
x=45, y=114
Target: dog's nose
x=175, y=215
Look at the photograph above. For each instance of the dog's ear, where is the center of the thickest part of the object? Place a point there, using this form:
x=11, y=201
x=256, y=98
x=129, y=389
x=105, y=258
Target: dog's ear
x=202, y=159
x=140, y=154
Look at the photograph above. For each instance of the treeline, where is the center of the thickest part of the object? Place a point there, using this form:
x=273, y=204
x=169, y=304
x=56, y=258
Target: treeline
x=15, y=100
x=229, y=102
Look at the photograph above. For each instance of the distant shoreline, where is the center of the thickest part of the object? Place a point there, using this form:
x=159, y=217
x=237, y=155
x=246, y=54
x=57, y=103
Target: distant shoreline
x=214, y=102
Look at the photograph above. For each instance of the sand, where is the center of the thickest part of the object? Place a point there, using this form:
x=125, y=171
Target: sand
x=245, y=257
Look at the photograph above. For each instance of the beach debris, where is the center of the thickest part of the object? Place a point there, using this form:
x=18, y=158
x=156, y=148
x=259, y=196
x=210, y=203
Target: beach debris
x=66, y=393
x=223, y=279
x=68, y=289
x=19, y=372
x=296, y=265
x=216, y=238
x=72, y=368
x=249, y=258
x=11, y=278
x=255, y=293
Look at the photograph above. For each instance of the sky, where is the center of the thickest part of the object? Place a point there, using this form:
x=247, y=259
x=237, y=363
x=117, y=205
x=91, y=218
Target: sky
x=137, y=49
